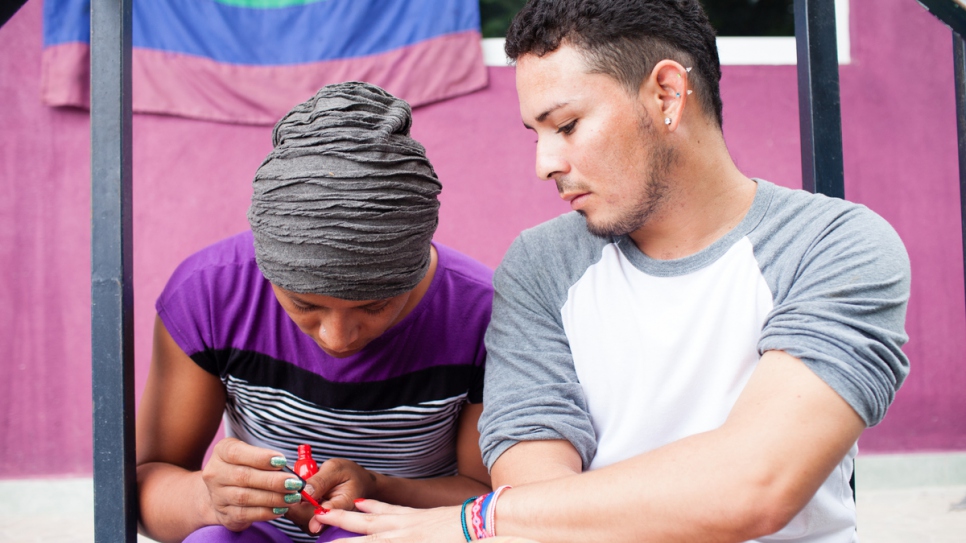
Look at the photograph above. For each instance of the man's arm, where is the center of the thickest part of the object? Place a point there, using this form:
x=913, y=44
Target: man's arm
x=746, y=479
x=535, y=461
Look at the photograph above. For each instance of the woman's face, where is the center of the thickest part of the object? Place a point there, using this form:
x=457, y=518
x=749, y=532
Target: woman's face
x=341, y=328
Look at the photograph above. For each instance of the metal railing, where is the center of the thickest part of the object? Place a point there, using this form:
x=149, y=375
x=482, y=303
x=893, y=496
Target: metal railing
x=115, y=495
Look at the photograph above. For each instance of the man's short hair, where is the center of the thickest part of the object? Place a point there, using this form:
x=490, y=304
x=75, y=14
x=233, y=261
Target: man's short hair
x=625, y=39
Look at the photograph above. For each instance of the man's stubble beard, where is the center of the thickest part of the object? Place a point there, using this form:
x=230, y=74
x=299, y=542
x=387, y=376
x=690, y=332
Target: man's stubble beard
x=655, y=193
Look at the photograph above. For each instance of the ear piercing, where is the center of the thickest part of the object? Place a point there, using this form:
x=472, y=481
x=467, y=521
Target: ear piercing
x=667, y=121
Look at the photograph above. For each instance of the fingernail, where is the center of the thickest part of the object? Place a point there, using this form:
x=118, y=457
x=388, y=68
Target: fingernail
x=309, y=488
x=357, y=500
x=292, y=498
x=277, y=461
x=279, y=510
x=293, y=484
x=321, y=511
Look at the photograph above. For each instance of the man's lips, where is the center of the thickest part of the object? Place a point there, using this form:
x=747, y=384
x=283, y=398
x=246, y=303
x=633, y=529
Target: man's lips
x=576, y=199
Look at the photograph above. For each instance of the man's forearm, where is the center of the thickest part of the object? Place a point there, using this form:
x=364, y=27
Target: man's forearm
x=535, y=461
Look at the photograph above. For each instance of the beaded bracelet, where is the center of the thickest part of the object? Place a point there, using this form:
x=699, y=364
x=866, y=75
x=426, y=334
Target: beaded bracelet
x=466, y=532
x=490, y=518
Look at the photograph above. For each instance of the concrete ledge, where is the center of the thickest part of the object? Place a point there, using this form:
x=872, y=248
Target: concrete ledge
x=898, y=471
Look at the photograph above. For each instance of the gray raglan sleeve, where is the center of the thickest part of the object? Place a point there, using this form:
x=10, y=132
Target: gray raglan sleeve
x=531, y=390
x=841, y=308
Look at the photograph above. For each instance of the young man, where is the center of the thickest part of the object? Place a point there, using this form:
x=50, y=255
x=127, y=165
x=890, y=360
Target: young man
x=702, y=348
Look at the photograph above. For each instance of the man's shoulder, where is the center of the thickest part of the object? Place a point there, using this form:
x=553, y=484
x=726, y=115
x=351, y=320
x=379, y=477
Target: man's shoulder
x=801, y=218
x=561, y=242
x=550, y=257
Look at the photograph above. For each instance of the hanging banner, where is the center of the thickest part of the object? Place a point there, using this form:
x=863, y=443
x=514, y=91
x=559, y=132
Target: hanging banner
x=250, y=61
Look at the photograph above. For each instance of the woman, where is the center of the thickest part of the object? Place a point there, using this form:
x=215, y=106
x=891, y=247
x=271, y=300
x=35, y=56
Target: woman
x=335, y=322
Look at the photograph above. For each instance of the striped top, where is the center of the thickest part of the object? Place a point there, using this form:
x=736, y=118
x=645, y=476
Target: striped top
x=391, y=408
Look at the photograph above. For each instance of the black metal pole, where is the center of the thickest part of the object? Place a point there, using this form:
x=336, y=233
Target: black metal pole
x=959, y=59
x=112, y=298
x=9, y=8
x=819, y=108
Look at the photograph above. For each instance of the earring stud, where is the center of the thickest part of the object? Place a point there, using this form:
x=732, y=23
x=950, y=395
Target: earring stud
x=667, y=120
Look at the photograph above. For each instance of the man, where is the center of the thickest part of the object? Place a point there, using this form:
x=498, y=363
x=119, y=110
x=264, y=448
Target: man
x=704, y=349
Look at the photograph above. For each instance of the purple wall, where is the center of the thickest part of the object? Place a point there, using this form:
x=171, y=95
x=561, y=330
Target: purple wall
x=191, y=187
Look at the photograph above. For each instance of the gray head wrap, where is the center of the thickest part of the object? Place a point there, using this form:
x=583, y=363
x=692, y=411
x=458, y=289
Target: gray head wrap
x=345, y=205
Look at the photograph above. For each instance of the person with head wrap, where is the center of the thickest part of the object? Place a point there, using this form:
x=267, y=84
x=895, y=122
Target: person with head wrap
x=335, y=323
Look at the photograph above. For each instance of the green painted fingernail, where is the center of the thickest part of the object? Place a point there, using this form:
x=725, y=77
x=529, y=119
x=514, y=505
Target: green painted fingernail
x=278, y=461
x=279, y=510
x=293, y=498
x=293, y=484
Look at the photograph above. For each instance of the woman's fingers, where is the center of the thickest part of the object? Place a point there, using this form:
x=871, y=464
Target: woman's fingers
x=237, y=518
x=233, y=451
x=382, y=508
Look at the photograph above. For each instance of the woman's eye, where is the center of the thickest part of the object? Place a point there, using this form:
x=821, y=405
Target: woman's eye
x=568, y=128
x=375, y=310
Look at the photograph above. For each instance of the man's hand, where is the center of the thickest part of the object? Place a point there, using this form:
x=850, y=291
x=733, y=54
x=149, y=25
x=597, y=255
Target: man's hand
x=244, y=487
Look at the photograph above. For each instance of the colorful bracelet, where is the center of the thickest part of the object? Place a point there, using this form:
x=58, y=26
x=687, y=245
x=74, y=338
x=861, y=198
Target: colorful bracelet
x=476, y=515
x=490, y=518
x=486, y=517
x=466, y=532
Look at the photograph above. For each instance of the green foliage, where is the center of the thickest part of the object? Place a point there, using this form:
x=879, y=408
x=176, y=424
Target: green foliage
x=751, y=17
x=495, y=16
x=729, y=17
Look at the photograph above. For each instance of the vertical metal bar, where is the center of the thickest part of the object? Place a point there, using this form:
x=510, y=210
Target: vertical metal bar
x=112, y=299
x=959, y=59
x=9, y=9
x=819, y=107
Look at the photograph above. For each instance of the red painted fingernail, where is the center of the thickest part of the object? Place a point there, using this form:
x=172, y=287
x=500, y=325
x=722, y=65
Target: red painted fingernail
x=357, y=500
x=321, y=511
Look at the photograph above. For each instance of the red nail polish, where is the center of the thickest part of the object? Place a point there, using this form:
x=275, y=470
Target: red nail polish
x=321, y=511
x=357, y=500
x=305, y=466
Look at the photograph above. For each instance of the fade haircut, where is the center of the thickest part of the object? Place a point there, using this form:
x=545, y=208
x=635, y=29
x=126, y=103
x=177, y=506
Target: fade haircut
x=625, y=39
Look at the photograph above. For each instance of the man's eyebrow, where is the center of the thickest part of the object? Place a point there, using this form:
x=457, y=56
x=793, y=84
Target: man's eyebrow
x=543, y=116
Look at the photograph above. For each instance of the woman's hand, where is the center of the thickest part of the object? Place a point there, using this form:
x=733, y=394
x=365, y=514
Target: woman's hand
x=244, y=486
x=384, y=522
x=396, y=523
x=337, y=485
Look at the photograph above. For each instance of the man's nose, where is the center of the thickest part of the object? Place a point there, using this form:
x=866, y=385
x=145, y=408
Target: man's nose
x=550, y=160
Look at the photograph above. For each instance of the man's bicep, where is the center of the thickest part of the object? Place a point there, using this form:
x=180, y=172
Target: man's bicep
x=532, y=392
x=534, y=461
x=800, y=427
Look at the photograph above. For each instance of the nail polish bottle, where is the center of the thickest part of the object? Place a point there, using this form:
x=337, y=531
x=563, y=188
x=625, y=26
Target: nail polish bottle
x=305, y=466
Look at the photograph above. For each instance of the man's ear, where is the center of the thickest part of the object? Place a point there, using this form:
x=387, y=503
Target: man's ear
x=666, y=91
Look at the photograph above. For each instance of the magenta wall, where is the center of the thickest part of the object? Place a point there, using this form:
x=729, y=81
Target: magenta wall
x=191, y=187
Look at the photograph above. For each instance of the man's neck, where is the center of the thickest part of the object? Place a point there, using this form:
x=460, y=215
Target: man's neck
x=708, y=198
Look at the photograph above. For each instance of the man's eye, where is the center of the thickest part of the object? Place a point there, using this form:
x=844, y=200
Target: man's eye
x=568, y=128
